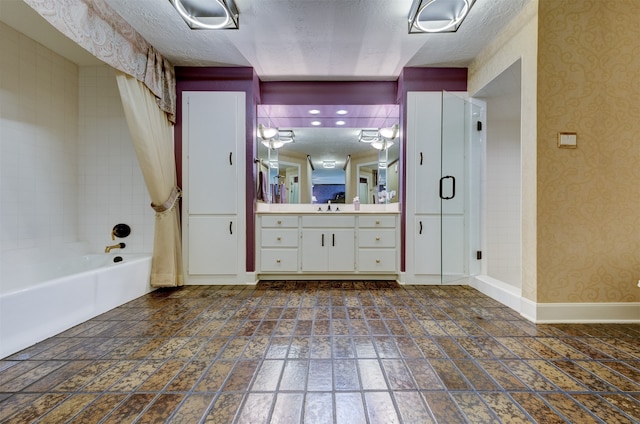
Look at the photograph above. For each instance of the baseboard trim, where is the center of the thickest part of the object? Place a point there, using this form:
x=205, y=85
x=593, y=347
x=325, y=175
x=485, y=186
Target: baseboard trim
x=504, y=293
x=574, y=313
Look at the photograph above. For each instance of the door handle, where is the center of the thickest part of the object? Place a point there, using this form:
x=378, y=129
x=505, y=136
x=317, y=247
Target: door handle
x=453, y=194
x=230, y=227
x=323, y=240
x=230, y=158
x=421, y=158
x=333, y=239
x=420, y=232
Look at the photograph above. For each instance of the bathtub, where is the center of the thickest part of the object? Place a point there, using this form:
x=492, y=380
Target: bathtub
x=51, y=297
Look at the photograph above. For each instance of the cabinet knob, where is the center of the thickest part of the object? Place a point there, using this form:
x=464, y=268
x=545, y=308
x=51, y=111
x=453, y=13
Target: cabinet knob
x=278, y=238
x=377, y=222
x=277, y=261
x=279, y=222
x=378, y=238
x=377, y=261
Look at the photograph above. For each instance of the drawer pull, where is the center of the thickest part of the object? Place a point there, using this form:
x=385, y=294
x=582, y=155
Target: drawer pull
x=279, y=222
x=378, y=238
x=377, y=261
x=377, y=222
x=278, y=238
x=277, y=261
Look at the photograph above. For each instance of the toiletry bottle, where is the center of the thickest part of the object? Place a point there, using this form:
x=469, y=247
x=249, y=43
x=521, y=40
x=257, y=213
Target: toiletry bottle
x=356, y=203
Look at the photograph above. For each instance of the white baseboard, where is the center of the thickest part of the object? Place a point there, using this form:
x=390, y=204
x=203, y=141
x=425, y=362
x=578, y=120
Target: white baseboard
x=547, y=313
x=605, y=313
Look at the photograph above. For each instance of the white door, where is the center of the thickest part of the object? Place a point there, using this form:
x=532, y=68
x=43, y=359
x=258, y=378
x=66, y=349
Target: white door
x=315, y=254
x=341, y=245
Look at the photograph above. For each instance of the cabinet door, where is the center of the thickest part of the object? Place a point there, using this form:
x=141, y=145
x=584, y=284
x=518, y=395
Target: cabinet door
x=315, y=254
x=213, y=245
x=424, y=132
x=341, y=245
x=214, y=125
x=427, y=245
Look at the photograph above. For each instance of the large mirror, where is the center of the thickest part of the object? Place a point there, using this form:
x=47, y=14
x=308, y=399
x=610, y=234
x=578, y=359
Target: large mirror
x=321, y=154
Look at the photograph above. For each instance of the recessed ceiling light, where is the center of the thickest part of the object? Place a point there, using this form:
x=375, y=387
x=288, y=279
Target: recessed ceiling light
x=316, y=123
x=342, y=112
x=314, y=111
x=340, y=122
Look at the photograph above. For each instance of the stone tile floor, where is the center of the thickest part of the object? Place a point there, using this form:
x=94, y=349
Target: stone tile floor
x=324, y=352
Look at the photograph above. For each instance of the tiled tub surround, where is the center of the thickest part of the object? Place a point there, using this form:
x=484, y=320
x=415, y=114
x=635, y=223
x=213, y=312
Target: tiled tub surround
x=314, y=352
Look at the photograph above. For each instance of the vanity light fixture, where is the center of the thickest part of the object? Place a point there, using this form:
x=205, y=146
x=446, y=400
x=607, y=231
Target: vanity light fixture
x=368, y=135
x=433, y=16
x=389, y=132
x=329, y=164
x=316, y=123
x=341, y=112
x=381, y=144
x=211, y=14
x=340, y=123
x=314, y=111
x=267, y=133
x=286, y=136
x=273, y=143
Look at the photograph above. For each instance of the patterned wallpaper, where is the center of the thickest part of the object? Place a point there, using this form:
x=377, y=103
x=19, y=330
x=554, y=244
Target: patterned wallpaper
x=589, y=198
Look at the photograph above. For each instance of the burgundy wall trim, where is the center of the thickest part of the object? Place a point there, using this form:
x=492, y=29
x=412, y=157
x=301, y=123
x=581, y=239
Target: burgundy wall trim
x=225, y=79
x=307, y=93
x=328, y=92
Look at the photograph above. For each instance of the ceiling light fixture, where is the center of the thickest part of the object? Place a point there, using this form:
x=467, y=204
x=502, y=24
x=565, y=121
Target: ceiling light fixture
x=314, y=111
x=211, y=14
x=329, y=164
x=316, y=123
x=437, y=15
x=342, y=112
x=339, y=123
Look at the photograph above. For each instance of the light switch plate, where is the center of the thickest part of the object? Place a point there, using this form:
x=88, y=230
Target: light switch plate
x=567, y=140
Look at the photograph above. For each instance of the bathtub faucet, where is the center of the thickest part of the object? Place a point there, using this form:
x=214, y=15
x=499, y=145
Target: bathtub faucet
x=115, y=246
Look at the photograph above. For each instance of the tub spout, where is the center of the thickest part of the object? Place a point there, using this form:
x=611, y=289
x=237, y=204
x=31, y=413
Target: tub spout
x=115, y=246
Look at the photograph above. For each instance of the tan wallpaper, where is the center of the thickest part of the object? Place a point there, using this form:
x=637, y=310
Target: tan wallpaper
x=589, y=198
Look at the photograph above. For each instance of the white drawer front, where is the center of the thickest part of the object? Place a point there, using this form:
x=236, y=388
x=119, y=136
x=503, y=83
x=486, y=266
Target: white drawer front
x=276, y=260
x=335, y=221
x=280, y=221
x=377, y=221
x=377, y=260
x=377, y=238
x=275, y=237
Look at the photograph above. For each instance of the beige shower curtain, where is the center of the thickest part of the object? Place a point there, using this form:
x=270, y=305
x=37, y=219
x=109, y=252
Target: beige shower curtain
x=152, y=135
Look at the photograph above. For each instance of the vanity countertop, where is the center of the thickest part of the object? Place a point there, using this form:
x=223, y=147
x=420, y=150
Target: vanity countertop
x=336, y=209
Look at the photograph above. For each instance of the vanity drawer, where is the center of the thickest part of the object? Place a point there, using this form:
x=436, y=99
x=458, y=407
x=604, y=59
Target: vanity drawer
x=377, y=238
x=276, y=237
x=344, y=221
x=377, y=260
x=275, y=260
x=377, y=221
x=280, y=221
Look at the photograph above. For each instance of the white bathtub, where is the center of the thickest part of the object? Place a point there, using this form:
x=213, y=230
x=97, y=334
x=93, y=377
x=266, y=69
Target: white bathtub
x=54, y=296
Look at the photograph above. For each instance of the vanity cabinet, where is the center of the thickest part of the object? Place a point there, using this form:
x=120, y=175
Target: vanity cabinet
x=213, y=140
x=344, y=245
x=279, y=243
x=328, y=243
x=377, y=247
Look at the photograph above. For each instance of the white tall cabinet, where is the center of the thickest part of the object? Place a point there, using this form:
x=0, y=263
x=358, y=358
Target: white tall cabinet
x=436, y=192
x=213, y=216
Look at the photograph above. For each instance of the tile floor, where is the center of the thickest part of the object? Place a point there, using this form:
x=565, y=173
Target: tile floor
x=324, y=352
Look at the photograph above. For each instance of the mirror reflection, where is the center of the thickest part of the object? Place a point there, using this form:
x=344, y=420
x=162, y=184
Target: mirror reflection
x=337, y=154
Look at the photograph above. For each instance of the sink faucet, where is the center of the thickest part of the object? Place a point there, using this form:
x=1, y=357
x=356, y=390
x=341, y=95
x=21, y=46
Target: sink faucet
x=115, y=246
x=329, y=206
